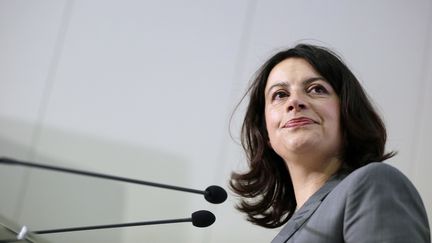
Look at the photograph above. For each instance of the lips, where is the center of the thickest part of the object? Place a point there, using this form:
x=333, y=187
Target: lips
x=297, y=122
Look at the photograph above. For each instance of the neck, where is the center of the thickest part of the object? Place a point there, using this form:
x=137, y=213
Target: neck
x=309, y=177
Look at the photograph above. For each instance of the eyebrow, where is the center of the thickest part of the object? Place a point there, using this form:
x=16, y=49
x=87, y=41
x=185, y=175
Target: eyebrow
x=285, y=84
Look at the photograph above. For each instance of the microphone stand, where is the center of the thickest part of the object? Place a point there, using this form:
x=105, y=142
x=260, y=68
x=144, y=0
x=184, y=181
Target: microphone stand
x=202, y=218
x=9, y=161
x=108, y=226
x=213, y=194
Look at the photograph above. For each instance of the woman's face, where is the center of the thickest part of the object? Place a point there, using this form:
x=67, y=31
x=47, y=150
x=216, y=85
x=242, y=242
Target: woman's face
x=302, y=111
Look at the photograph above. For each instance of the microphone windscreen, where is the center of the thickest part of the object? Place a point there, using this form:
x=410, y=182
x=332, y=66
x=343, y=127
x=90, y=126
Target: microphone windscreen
x=215, y=194
x=203, y=218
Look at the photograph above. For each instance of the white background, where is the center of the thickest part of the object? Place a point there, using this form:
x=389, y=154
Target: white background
x=146, y=89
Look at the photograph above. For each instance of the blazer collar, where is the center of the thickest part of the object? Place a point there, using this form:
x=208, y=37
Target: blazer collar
x=304, y=213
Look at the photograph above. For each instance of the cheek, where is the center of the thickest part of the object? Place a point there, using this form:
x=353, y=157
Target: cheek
x=332, y=112
x=272, y=119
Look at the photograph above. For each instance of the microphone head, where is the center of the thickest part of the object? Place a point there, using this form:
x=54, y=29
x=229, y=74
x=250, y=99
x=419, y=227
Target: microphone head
x=215, y=194
x=203, y=218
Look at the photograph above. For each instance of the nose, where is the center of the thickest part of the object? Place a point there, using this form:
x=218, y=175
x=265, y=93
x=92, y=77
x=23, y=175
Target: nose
x=296, y=103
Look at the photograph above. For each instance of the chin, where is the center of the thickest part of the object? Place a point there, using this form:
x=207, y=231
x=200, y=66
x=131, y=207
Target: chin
x=301, y=145
x=302, y=141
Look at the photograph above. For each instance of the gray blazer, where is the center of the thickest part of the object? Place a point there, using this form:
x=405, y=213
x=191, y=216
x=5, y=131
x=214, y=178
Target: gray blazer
x=375, y=203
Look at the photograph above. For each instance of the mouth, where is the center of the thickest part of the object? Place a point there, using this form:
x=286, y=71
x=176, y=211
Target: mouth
x=298, y=122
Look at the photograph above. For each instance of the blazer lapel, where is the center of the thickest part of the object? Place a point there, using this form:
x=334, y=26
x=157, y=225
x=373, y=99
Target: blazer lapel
x=306, y=211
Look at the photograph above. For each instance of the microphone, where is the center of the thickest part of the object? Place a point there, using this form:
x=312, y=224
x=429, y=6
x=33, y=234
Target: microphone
x=213, y=194
x=201, y=219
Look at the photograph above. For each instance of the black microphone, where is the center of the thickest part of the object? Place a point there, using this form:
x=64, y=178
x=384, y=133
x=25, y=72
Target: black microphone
x=213, y=194
x=201, y=219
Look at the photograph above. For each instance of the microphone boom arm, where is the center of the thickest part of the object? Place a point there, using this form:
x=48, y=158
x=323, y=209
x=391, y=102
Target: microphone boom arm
x=108, y=226
x=9, y=161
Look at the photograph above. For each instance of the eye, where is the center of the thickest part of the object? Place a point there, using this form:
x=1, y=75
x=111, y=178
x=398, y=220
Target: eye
x=280, y=94
x=317, y=89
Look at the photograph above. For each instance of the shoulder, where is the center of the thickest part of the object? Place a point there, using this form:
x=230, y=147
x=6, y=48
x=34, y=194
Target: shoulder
x=377, y=169
x=380, y=180
x=378, y=174
x=381, y=189
x=376, y=180
x=382, y=201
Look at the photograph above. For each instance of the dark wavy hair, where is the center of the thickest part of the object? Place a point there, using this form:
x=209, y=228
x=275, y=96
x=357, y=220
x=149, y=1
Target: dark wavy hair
x=266, y=189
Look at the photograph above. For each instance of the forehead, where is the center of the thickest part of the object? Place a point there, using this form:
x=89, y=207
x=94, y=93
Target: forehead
x=291, y=70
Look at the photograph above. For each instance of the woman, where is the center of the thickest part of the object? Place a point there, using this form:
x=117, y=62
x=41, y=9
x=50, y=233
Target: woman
x=314, y=144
